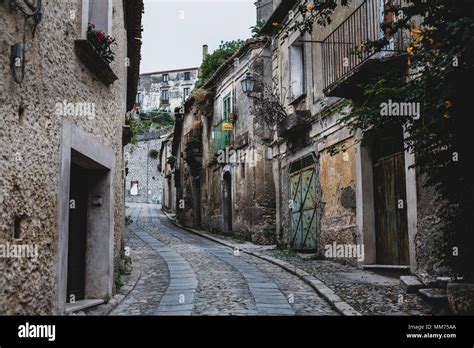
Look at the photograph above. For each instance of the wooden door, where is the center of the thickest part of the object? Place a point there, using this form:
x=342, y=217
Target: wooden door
x=391, y=210
x=302, y=215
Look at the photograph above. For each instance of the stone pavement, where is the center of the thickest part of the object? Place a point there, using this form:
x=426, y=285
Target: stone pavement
x=195, y=276
x=368, y=292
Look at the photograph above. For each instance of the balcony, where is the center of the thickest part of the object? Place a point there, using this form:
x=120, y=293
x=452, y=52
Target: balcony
x=193, y=147
x=346, y=63
x=294, y=124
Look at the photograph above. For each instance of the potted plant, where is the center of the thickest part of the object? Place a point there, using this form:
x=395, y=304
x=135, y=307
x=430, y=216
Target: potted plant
x=101, y=42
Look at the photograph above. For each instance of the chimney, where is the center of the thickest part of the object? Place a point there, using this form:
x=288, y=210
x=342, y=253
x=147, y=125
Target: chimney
x=205, y=50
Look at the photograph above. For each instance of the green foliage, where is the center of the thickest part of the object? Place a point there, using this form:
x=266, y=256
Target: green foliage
x=153, y=154
x=215, y=59
x=193, y=143
x=255, y=30
x=136, y=126
x=157, y=117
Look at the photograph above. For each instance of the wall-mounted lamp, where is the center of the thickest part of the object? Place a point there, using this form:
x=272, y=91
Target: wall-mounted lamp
x=29, y=9
x=248, y=84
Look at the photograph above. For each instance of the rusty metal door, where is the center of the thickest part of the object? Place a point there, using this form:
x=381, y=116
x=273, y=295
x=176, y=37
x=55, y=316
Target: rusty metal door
x=390, y=210
x=302, y=215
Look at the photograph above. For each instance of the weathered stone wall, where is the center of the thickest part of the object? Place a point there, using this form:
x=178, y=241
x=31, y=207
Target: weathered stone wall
x=30, y=134
x=253, y=195
x=337, y=179
x=144, y=169
x=335, y=207
x=432, y=245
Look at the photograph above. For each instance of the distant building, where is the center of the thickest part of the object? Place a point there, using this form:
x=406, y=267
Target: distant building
x=166, y=89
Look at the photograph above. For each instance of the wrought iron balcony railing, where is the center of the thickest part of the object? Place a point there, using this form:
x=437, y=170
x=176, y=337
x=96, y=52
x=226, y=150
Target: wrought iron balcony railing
x=344, y=50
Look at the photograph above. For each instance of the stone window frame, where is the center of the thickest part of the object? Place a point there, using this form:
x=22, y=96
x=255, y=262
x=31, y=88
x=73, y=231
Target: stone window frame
x=187, y=75
x=296, y=54
x=186, y=91
x=85, y=17
x=165, y=93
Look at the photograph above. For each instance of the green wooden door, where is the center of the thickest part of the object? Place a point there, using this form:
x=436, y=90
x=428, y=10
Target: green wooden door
x=302, y=224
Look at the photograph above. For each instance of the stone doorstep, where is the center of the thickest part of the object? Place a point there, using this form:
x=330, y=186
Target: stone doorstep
x=411, y=284
x=387, y=267
x=82, y=304
x=330, y=296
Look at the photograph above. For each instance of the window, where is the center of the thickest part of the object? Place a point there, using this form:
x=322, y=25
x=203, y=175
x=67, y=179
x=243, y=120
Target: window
x=222, y=138
x=185, y=93
x=165, y=77
x=99, y=13
x=226, y=106
x=187, y=76
x=165, y=95
x=297, y=70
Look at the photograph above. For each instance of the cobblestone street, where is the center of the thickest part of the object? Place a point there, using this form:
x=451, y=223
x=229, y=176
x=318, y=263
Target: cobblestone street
x=186, y=274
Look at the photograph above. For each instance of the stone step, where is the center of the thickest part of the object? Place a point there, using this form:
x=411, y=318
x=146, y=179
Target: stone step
x=411, y=284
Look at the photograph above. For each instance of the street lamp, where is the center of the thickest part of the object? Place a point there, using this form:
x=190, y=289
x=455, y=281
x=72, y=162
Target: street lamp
x=248, y=84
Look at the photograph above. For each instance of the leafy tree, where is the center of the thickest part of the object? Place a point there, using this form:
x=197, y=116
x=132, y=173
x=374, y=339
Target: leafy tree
x=215, y=59
x=440, y=73
x=255, y=29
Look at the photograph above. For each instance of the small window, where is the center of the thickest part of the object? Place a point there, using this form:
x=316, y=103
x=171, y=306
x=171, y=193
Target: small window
x=165, y=77
x=165, y=95
x=99, y=13
x=297, y=70
x=134, y=188
x=185, y=93
x=187, y=76
x=227, y=106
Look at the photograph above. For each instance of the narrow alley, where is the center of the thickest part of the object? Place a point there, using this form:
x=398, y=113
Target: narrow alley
x=186, y=274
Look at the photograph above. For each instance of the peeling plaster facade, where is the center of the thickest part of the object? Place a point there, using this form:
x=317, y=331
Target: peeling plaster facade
x=245, y=208
x=344, y=185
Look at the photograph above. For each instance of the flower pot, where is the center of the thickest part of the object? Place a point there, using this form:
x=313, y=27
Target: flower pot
x=461, y=298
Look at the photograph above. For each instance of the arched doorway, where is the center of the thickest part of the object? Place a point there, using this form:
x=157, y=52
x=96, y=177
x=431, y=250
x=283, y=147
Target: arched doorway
x=227, y=202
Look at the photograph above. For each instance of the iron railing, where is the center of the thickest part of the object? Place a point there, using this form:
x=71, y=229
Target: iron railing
x=344, y=49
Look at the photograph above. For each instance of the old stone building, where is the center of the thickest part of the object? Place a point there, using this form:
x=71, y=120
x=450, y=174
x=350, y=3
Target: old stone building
x=62, y=107
x=223, y=167
x=366, y=194
x=166, y=90
x=144, y=182
x=167, y=163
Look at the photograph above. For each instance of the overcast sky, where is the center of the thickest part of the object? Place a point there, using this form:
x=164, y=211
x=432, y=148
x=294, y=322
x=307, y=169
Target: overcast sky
x=175, y=30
